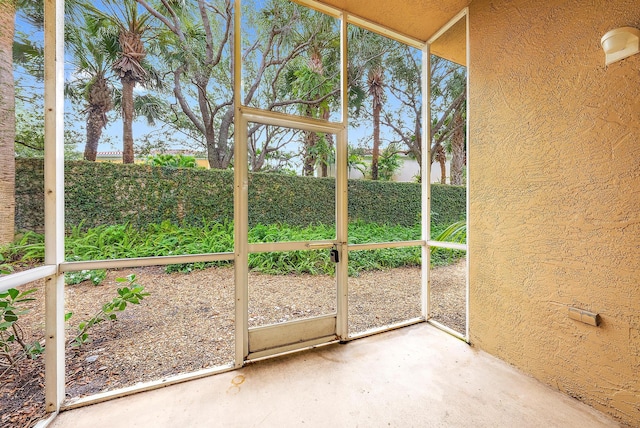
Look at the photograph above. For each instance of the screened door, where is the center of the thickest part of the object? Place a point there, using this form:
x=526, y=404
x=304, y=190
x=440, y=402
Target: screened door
x=289, y=209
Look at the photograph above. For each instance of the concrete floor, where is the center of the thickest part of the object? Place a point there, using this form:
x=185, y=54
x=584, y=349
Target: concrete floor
x=413, y=377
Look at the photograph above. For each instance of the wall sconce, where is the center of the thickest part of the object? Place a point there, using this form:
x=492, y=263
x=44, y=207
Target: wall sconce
x=620, y=43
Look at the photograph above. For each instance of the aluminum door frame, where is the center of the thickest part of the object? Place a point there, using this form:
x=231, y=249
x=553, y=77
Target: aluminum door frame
x=263, y=341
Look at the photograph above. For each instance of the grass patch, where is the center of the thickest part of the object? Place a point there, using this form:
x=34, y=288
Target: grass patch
x=165, y=239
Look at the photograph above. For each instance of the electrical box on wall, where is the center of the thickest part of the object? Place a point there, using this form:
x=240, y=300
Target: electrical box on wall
x=584, y=316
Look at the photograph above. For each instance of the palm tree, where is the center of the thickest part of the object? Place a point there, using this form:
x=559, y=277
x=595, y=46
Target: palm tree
x=130, y=26
x=458, y=158
x=458, y=87
x=448, y=101
x=308, y=82
x=7, y=121
x=440, y=156
x=455, y=232
x=375, y=82
x=90, y=59
x=34, y=12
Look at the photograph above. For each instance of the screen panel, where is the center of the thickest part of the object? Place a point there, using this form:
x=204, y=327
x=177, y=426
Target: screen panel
x=291, y=59
x=384, y=287
x=184, y=324
x=290, y=285
x=291, y=184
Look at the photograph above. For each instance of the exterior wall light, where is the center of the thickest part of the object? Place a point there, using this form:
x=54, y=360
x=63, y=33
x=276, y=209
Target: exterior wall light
x=620, y=43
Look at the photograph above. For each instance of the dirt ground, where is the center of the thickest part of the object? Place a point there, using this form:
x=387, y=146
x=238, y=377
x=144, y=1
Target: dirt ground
x=187, y=324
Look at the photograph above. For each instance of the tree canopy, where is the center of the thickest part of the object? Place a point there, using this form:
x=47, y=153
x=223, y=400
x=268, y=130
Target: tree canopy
x=181, y=54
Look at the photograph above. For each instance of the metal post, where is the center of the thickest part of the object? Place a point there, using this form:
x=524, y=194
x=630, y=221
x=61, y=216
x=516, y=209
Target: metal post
x=54, y=200
x=342, y=212
x=240, y=202
x=466, y=17
x=426, y=178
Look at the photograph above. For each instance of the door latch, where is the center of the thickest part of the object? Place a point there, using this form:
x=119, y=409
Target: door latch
x=334, y=254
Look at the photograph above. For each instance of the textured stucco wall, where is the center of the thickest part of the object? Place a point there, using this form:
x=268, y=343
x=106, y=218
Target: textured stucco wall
x=555, y=196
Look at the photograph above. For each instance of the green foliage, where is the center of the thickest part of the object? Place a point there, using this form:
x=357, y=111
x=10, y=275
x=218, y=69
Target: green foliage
x=455, y=232
x=125, y=211
x=388, y=163
x=5, y=268
x=445, y=256
x=95, y=276
x=384, y=202
x=125, y=241
x=164, y=239
x=27, y=247
x=297, y=201
x=355, y=160
x=13, y=347
x=173, y=161
x=29, y=137
x=318, y=262
x=102, y=193
x=448, y=204
x=131, y=293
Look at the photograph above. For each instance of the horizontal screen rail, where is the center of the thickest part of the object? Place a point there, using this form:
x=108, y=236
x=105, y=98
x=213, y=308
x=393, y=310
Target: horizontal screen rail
x=17, y=279
x=384, y=31
x=273, y=118
x=379, y=245
x=266, y=247
x=449, y=245
x=144, y=261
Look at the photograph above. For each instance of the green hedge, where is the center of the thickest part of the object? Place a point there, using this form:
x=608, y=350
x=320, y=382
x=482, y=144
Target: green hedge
x=29, y=195
x=105, y=193
x=448, y=204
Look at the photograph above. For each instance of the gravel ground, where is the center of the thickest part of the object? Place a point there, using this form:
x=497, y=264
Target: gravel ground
x=187, y=323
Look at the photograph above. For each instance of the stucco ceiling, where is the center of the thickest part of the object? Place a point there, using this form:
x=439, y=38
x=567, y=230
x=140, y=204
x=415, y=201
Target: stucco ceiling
x=452, y=44
x=419, y=19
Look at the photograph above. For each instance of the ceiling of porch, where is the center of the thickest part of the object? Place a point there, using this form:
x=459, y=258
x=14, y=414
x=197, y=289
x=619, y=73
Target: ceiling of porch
x=417, y=19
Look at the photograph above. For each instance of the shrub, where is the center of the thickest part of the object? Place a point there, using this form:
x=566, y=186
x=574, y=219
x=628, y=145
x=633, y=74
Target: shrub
x=14, y=348
x=131, y=293
x=12, y=345
x=104, y=193
x=172, y=161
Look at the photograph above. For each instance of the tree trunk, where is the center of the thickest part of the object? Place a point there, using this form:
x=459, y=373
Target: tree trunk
x=309, y=167
x=457, y=149
x=96, y=121
x=376, y=141
x=329, y=138
x=7, y=124
x=376, y=90
x=213, y=151
x=94, y=131
x=324, y=167
x=219, y=153
x=441, y=158
x=128, y=84
x=416, y=147
x=98, y=104
x=310, y=140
